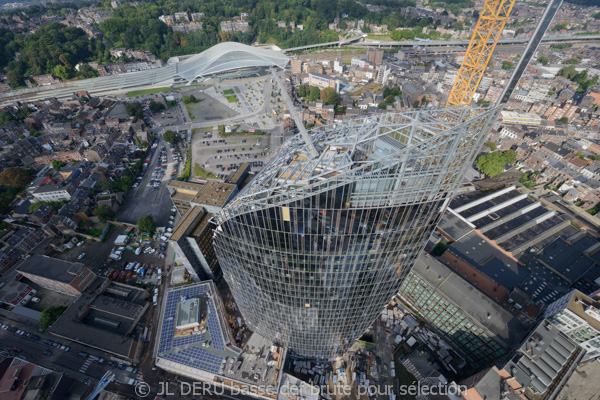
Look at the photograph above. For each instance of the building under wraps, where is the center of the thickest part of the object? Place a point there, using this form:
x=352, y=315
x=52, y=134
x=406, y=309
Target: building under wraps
x=317, y=244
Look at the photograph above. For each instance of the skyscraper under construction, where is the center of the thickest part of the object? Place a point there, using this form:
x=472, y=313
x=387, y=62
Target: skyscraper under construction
x=322, y=238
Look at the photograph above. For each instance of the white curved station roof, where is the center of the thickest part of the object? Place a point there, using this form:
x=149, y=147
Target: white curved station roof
x=229, y=56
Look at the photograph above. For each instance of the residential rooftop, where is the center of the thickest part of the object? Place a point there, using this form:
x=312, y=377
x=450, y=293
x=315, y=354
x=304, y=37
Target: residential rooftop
x=51, y=268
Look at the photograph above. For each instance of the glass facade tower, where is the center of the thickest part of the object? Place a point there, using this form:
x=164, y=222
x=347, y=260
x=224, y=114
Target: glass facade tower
x=313, y=248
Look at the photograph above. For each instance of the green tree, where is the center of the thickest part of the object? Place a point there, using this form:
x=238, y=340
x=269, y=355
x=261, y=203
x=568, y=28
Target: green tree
x=15, y=177
x=155, y=106
x=543, y=60
x=50, y=315
x=57, y=165
x=493, y=164
x=568, y=72
x=104, y=213
x=572, y=61
x=85, y=72
x=189, y=99
x=382, y=105
x=303, y=90
x=314, y=93
x=510, y=156
x=134, y=109
x=440, y=248
x=330, y=96
x=491, y=145
x=146, y=224
x=507, y=65
x=14, y=79
x=35, y=134
x=563, y=120
x=458, y=26
x=62, y=72
x=107, y=184
x=6, y=117
x=559, y=27
x=170, y=136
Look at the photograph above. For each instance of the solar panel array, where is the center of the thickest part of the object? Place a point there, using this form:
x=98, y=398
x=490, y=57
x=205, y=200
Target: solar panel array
x=182, y=350
x=197, y=357
x=214, y=328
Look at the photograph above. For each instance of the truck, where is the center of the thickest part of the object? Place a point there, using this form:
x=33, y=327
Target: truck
x=121, y=240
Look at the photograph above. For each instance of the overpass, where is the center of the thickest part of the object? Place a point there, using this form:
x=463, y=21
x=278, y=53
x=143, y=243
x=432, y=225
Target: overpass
x=356, y=40
x=337, y=43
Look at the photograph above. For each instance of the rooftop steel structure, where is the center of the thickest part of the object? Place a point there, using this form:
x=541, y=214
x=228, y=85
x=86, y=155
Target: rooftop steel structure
x=315, y=247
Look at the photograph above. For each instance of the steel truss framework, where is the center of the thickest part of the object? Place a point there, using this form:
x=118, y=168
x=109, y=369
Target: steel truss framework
x=485, y=36
x=314, y=248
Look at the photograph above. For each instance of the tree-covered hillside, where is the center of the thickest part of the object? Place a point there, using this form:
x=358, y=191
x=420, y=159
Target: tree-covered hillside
x=54, y=48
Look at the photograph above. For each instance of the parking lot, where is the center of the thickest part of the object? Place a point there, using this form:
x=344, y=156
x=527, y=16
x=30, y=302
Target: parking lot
x=207, y=109
x=96, y=254
x=147, y=198
x=222, y=155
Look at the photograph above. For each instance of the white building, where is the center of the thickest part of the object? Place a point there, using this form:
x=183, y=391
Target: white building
x=578, y=316
x=52, y=193
x=338, y=67
x=358, y=62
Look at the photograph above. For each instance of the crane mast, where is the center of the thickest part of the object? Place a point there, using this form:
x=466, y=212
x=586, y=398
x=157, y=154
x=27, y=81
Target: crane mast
x=485, y=36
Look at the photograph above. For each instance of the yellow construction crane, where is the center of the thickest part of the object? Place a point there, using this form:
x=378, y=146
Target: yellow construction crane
x=485, y=37
x=487, y=32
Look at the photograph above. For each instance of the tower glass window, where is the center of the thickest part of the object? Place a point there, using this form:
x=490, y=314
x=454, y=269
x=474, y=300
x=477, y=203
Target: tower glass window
x=314, y=248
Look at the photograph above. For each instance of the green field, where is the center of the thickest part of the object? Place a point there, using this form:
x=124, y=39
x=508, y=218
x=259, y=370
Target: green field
x=228, y=92
x=148, y=91
x=385, y=38
x=201, y=172
x=232, y=98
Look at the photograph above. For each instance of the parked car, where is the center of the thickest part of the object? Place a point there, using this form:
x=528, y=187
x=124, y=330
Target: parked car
x=83, y=354
x=47, y=353
x=81, y=256
x=17, y=349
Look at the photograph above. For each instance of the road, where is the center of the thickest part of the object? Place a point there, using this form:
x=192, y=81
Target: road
x=144, y=200
x=68, y=362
